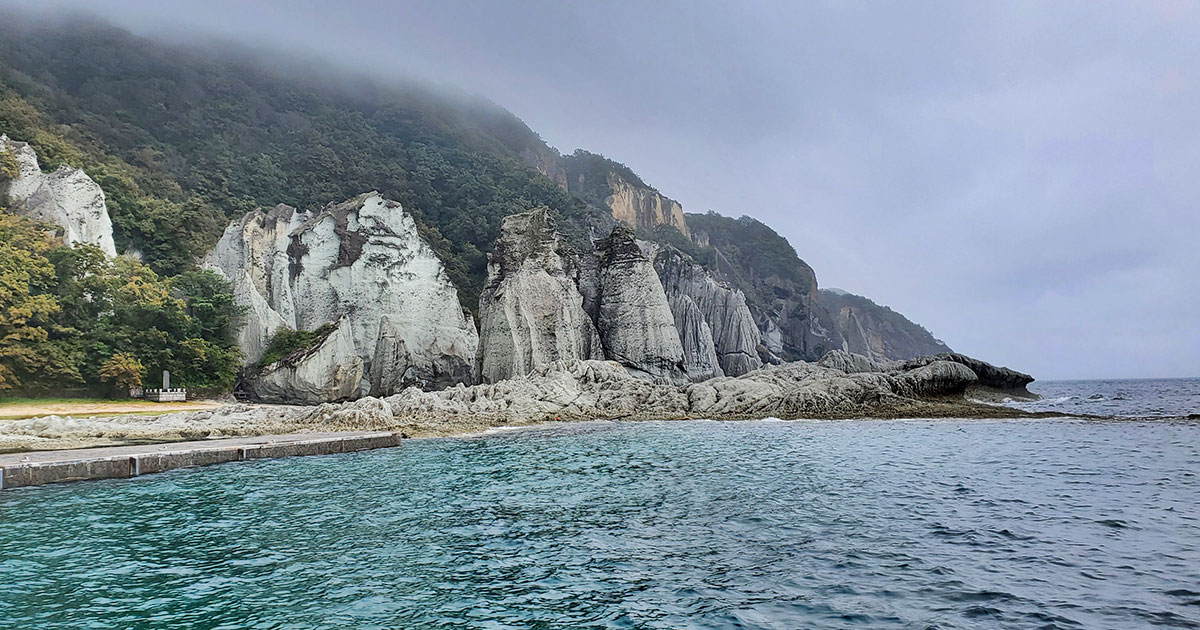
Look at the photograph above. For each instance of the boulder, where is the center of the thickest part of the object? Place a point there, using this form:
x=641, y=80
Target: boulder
x=989, y=375
x=331, y=370
x=941, y=367
x=66, y=197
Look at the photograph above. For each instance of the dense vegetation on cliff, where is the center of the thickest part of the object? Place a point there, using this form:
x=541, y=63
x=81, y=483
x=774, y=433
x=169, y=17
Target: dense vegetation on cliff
x=752, y=255
x=181, y=142
x=587, y=176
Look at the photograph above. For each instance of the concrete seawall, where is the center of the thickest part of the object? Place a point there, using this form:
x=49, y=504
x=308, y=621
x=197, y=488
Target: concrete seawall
x=41, y=467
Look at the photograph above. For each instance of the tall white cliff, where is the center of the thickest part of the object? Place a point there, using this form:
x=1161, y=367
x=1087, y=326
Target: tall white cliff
x=362, y=264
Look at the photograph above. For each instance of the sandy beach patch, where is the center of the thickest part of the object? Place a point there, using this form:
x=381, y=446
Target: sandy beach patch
x=90, y=407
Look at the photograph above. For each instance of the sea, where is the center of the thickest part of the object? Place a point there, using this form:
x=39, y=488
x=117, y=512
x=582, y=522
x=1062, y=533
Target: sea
x=1048, y=523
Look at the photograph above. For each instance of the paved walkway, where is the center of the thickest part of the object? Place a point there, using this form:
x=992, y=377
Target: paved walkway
x=41, y=467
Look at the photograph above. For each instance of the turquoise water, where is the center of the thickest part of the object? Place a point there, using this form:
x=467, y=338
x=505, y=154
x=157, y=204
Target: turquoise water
x=880, y=524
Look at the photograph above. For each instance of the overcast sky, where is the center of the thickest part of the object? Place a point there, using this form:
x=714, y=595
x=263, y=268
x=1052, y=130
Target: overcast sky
x=1022, y=178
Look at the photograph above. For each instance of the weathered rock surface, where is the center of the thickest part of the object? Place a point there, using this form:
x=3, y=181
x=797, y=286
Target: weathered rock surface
x=852, y=362
x=780, y=288
x=986, y=374
x=361, y=260
x=531, y=310
x=688, y=286
x=989, y=375
x=700, y=359
x=330, y=371
x=876, y=331
x=576, y=391
x=635, y=322
x=643, y=207
x=67, y=198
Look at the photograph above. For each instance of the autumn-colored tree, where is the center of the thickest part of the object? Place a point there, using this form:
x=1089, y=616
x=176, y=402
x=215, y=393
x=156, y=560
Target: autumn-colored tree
x=124, y=371
x=25, y=305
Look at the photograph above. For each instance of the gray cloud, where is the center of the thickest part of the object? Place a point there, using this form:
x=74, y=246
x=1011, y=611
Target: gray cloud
x=1020, y=177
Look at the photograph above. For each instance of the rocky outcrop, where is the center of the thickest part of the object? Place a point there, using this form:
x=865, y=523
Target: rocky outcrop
x=720, y=308
x=531, y=310
x=780, y=288
x=642, y=207
x=852, y=362
x=1001, y=378
x=574, y=391
x=329, y=371
x=700, y=359
x=875, y=331
x=985, y=374
x=66, y=197
x=635, y=322
x=360, y=261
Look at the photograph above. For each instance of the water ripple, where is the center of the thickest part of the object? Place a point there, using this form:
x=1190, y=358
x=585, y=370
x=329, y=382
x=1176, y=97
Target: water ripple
x=901, y=524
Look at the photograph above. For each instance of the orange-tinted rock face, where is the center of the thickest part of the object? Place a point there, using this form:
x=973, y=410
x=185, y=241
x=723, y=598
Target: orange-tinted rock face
x=642, y=207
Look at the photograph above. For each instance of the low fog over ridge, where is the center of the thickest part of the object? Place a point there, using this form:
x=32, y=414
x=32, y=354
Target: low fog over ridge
x=1019, y=178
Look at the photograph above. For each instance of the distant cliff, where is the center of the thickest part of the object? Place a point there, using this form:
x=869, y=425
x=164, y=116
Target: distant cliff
x=876, y=331
x=611, y=185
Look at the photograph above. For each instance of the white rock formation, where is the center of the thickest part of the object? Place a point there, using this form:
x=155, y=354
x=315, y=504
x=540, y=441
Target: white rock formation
x=531, y=311
x=635, y=321
x=330, y=371
x=699, y=352
x=361, y=260
x=732, y=331
x=67, y=197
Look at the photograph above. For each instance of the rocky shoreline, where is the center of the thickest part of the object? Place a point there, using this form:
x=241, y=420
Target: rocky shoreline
x=840, y=386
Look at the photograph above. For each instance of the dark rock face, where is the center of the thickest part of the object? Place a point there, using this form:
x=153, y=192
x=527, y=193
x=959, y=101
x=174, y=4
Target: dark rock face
x=985, y=374
x=989, y=375
x=873, y=330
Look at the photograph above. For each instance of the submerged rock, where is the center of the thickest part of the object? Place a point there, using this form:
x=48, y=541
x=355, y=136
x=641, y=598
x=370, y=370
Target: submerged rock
x=362, y=261
x=531, y=310
x=67, y=198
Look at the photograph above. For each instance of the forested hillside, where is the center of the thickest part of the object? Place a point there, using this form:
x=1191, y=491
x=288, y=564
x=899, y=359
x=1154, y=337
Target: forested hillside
x=182, y=141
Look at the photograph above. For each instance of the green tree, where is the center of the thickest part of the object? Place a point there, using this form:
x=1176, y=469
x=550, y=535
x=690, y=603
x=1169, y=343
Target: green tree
x=26, y=306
